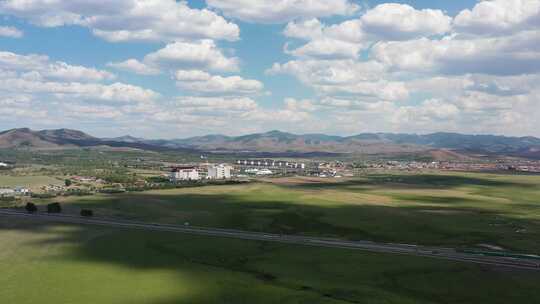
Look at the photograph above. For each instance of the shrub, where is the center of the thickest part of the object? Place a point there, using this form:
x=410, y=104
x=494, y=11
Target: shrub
x=7, y=199
x=77, y=192
x=87, y=213
x=112, y=190
x=43, y=195
x=54, y=208
x=158, y=179
x=31, y=207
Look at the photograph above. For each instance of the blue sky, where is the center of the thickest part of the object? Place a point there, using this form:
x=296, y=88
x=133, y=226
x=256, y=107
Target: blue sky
x=167, y=69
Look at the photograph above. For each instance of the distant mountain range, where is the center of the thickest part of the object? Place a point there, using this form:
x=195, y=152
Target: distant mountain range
x=450, y=145
x=25, y=138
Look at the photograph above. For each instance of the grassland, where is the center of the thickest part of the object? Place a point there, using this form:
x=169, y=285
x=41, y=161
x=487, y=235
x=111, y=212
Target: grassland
x=452, y=209
x=33, y=182
x=48, y=263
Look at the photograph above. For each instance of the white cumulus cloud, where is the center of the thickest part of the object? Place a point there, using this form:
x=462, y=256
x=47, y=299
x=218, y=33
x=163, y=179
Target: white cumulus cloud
x=203, y=54
x=11, y=32
x=134, y=66
x=400, y=21
x=211, y=104
x=126, y=20
x=40, y=66
x=281, y=11
x=504, y=55
x=184, y=55
x=494, y=17
x=327, y=49
x=205, y=83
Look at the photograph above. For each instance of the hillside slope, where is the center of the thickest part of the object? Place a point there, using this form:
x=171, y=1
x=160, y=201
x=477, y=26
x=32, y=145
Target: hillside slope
x=370, y=143
x=438, y=145
x=26, y=138
x=67, y=138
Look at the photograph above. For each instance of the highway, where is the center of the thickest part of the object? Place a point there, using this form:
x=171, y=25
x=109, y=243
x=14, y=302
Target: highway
x=532, y=263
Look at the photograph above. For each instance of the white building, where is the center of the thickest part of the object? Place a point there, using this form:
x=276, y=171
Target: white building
x=219, y=172
x=184, y=174
x=252, y=170
x=264, y=172
x=22, y=191
x=7, y=192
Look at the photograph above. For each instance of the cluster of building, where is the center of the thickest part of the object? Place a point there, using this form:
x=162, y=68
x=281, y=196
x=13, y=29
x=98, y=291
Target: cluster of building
x=270, y=163
x=274, y=167
x=17, y=191
x=335, y=169
x=521, y=166
x=200, y=172
x=525, y=166
x=87, y=179
x=241, y=168
x=493, y=165
x=403, y=165
x=258, y=171
x=53, y=188
x=280, y=167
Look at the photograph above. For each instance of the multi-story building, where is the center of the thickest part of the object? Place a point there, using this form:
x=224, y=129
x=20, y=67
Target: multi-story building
x=219, y=172
x=185, y=173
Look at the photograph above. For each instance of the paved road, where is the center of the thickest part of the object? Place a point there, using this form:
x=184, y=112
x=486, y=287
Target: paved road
x=424, y=251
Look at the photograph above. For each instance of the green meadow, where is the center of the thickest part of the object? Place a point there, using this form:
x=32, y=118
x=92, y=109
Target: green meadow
x=48, y=263
x=450, y=209
x=33, y=182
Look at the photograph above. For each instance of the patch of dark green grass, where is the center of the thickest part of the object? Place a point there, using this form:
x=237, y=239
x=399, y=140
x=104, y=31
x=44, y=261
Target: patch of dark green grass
x=163, y=268
x=416, y=180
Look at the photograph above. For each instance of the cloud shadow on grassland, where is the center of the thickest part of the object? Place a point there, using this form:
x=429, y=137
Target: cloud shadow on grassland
x=221, y=270
x=422, y=181
x=235, y=271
